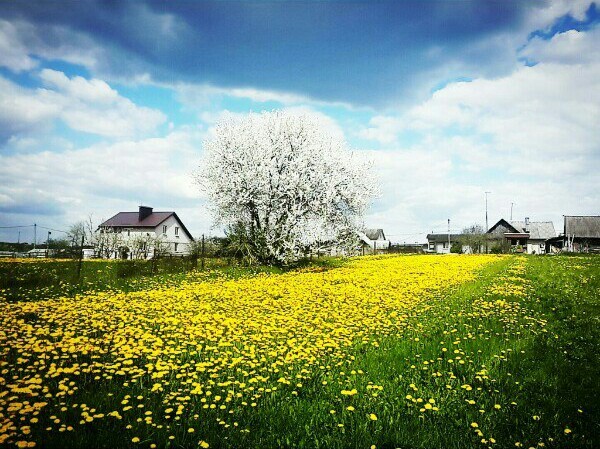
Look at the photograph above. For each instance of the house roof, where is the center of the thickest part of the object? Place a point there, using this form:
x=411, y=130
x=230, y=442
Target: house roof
x=504, y=223
x=441, y=238
x=132, y=219
x=374, y=234
x=538, y=230
x=582, y=226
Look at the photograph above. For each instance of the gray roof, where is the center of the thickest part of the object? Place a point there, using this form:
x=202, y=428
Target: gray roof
x=582, y=226
x=440, y=238
x=538, y=230
x=374, y=234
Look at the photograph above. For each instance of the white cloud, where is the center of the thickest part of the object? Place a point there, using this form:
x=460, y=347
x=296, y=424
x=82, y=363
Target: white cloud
x=84, y=105
x=13, y=52
x=570, y=47
x=198, y=96
x=22, y=44
x=531, y=137
x=550, y=110
x=544, y=14
x=104, y=179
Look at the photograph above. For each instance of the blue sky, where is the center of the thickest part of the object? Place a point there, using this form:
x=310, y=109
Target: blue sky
x=104, y=105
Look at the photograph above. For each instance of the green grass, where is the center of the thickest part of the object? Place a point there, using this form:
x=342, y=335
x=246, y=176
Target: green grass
x=41, y=279
x=543, y=376
x=533, y=352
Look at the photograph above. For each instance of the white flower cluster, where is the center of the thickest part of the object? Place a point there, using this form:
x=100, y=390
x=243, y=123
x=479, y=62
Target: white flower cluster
x=292, y=187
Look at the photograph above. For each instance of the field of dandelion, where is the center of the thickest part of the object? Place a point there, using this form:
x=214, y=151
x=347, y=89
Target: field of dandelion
x=387, y=351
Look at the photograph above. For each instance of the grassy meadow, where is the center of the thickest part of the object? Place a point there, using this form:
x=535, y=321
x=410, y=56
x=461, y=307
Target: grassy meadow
x=372, y=352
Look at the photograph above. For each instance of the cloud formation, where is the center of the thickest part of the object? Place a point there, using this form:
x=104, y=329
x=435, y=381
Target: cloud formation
x=404, y=48
x=105, y=106
x=104, y=179
x=90, y=106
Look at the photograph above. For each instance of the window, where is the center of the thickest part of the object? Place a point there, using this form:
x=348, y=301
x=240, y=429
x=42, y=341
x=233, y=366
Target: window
x=176, y=246
x=128, y=232
x=176, y=231
x=164, y=229
x=432, y=245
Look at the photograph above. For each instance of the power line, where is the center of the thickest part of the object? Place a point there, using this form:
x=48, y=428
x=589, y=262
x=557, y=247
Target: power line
x=34, y=226
x=50, y=229
x=15, y=227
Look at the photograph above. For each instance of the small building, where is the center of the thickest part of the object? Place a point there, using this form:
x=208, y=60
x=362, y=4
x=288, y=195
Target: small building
x=41, y=252
x=143, y=235
x=530, y=237
x=373, y=241
x=442, y=243
x=581, y=233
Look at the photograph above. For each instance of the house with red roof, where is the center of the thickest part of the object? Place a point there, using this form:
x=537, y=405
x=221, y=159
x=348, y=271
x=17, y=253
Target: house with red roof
x=142, y=235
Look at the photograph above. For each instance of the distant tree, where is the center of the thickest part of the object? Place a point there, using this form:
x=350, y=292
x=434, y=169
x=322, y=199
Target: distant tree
x=474, y=237
x=160, y=247
x=76, y=232
x=280, y=183
x=107, y=243
x=238, y=245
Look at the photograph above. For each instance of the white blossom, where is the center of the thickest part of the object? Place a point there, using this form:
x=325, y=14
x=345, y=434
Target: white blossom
x=290, y=184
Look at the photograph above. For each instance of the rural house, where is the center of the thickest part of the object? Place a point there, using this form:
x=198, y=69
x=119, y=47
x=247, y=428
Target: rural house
x=143, y=235
x=438, y=243
x=373, y=240
x=581, y=233
x=529, y=237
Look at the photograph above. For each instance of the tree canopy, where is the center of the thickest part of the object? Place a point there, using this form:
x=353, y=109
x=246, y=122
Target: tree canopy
x=286, y=183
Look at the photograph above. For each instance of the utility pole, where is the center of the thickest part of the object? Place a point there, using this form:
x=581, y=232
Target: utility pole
x=48, y=244
x=511, y=209
x=448, y=235
x=34, y=235
x=202, y=254
x=80, y=257
x=486, y=220
x=19, y=238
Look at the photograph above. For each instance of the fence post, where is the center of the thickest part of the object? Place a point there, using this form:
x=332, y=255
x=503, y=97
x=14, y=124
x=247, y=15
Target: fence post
x=202, y=254
x=80, y=258
x=153, y=262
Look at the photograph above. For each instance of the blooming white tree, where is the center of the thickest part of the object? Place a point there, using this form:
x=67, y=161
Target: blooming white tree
x=286, y=183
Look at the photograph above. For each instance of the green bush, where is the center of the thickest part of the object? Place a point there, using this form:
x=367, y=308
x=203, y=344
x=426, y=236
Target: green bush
x=456, y=248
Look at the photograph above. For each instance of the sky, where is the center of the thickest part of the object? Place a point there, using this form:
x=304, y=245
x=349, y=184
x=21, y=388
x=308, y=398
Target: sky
x=105, y=105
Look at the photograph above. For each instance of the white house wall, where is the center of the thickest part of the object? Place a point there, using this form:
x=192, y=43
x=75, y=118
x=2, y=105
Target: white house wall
x=536, y=247
x=182, y=239
x=439, y=248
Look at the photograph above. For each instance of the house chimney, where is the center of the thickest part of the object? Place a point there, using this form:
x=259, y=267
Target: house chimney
x=144, y=212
